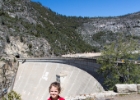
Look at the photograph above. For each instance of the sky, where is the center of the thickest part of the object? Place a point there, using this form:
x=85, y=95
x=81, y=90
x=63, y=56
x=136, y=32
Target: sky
x=92, y=8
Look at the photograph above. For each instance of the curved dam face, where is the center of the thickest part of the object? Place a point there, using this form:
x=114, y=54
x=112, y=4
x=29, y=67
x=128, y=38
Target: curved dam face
x=34, y=77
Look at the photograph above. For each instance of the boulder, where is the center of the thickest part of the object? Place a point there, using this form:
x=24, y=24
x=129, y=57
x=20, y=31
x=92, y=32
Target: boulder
x=138, y=87
x=126, y=88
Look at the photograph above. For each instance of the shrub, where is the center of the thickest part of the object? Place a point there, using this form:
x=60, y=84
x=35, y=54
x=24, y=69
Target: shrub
x=7, y=39
x=12, y=96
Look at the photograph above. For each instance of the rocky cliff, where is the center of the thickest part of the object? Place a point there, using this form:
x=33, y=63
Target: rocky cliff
x=109, y=27
x=15, y=38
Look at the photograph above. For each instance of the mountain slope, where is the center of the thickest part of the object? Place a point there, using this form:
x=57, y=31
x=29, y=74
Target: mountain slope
x=103, y=30
x=29, y=22
x=28, y=29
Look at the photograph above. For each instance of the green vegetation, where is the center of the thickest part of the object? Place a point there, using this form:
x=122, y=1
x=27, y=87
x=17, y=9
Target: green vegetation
x=60, y=31
x=12, y=96
x=103, y=36
x=1, y=13
x=21, y=39
x=89, y=98
x=30, y=46
x=118, y=62
x=7, y=39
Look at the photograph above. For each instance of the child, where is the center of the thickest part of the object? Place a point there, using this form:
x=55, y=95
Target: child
x=54, y=91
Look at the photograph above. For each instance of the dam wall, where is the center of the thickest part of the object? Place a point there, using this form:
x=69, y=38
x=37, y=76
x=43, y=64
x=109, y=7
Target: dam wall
x=75, y=75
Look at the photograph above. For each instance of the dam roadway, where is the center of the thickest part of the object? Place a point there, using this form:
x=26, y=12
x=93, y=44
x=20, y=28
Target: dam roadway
x=76, y=75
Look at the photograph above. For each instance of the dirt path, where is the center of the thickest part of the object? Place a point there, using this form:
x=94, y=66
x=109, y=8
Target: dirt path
x=127, y=97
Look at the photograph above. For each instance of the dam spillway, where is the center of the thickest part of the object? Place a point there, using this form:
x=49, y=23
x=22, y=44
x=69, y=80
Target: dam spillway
x=35, y=75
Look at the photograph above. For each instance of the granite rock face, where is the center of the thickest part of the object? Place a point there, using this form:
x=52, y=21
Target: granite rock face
x=15, y=39
x=127, y=24
x=36, y=47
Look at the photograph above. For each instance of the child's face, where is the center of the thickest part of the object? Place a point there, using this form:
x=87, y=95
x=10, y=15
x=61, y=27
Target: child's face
x=54, y=92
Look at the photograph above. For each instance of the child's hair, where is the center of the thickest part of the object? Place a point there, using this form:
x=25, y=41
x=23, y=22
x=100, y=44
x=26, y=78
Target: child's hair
x=57, y=85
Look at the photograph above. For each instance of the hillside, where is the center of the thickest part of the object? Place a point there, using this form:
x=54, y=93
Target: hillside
x=38, y=30
x=103, y=30
x=28, y=29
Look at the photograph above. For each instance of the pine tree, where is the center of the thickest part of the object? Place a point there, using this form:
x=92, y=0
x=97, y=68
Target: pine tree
x=118, y=62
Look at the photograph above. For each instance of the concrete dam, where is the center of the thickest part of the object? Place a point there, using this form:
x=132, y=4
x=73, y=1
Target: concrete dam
x=76, y=76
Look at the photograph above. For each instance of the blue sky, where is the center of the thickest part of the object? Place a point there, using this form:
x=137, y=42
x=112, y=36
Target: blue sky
x=92, y=8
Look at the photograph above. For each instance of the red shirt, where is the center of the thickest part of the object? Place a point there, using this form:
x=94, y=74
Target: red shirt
x=59, y=98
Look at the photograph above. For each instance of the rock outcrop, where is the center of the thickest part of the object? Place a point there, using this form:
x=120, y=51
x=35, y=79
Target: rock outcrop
x=29, y=47
x=15, y=39
x=8, y=70
x=127, y=24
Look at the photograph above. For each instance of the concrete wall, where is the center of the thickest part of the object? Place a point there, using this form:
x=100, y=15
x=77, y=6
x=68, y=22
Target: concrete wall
x=34, y=77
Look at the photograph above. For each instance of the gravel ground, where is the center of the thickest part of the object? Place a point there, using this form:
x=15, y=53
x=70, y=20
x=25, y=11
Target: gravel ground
x=126, y=97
